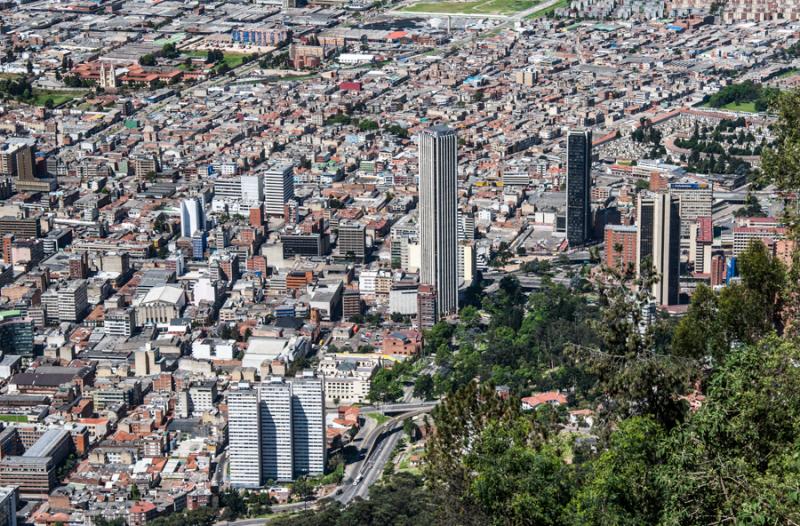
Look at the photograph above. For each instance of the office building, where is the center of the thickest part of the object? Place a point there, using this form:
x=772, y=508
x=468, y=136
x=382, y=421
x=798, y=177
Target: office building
x=308, y=245
x=579, y=187
x=252, y=188
x=20, y=227
x=352, y=241
x=427, y=313
x=8, y=506
x=17, y=161
x=199, y=245
x=308, y=425
x=193, y=216
x=696, y=199
x=73, y=301
x=351, y=303
x=438, y=225
x=620, y=246
x=16, y=333
x=278, y=189
x=119, y=322
x=244, y=438
x=658, y=242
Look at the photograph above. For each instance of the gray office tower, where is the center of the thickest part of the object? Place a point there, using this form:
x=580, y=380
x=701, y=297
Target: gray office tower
x=659, y=243
x=579, y=187
x=438, y=217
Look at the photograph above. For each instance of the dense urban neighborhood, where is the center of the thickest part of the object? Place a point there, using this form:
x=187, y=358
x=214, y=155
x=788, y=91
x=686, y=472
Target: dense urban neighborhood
x=399, y=262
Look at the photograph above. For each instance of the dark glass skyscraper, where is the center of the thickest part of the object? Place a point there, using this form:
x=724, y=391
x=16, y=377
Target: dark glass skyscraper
x=579, y=187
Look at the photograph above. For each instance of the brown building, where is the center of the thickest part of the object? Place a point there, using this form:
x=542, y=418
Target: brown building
x=717, y=270
x=351, y=303
x=620, y=246
x=402, y=343
x=427, y=315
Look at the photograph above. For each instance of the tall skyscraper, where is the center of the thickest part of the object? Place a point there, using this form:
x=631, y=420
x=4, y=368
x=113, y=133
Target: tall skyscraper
x=277, y=431
x=278, y=189
x=193, y=216
x=308, y=425
x=244, y=438
x=438, y=224
x=579, y=187
x=659, y=243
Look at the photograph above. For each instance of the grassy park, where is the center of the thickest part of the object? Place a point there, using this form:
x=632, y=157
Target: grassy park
x=548, y=10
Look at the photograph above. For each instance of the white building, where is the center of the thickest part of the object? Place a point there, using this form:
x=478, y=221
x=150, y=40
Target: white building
x=213, y=349
x=347, y=378
x=277, y=461
x=193, y=216
x=308, y=425
x=278, y=188
x=277, y=431
x=244, y=438
x=403, y=300
x=252, y=188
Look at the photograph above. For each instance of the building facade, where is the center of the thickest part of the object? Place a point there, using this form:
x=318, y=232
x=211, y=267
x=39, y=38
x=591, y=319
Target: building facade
x=438, y=225
x=579, y=187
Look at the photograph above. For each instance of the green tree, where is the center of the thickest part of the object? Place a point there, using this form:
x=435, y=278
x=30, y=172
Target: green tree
x=302, y=488
x=621, y=488
x=147, y=60
x=423, y=387
x=385, y=387
x=735, y=461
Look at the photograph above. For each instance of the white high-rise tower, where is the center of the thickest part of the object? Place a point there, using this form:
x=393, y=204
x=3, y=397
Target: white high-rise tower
x=438, y=217
x=193, y=216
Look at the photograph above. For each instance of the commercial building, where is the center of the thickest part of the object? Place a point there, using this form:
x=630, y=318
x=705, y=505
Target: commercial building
x=658, y=242
x=620, y=243
x=308, y=245
x=16, y=333
x=278, y=188
x=427, y=313
x=8, y=506
x=438, y=225
x=579, y=187
x=351, y=242
x=696, y=199
x=119, y=322
x=193, y=216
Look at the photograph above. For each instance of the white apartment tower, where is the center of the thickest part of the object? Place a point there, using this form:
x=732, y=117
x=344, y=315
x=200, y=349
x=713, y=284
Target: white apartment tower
x=244, y=438
x=193, y=216
x=278, y=188
x=277, y=431
x=308, y=425
x=438, y=224
x=277, y=461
